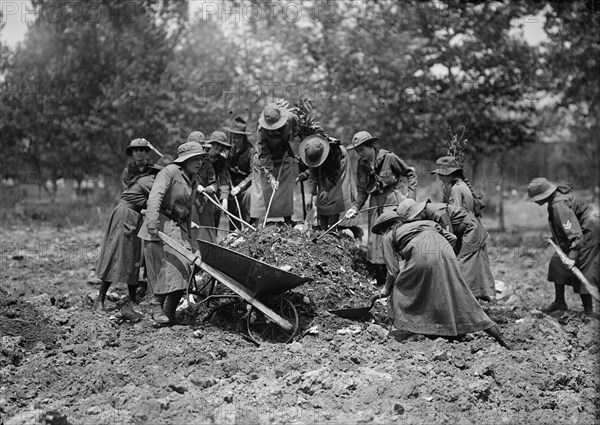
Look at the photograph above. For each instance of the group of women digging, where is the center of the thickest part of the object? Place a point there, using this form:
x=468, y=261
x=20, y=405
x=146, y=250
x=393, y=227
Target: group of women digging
x=429, y=258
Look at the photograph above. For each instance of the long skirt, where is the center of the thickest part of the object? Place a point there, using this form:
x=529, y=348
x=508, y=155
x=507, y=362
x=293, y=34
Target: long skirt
x=282, y=204
x=475, y=269
x=430, y=295
x=588, y=262
x=120, y=256
x=168, y=271
x=375, y=242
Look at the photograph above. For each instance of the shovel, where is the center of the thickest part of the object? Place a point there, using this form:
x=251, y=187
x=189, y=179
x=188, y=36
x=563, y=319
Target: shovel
x=356, y=312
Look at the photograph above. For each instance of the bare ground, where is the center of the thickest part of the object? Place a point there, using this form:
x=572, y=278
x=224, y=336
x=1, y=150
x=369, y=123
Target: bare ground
x=60, y=364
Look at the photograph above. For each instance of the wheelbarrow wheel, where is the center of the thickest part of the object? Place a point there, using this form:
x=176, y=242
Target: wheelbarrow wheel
x=262, y=329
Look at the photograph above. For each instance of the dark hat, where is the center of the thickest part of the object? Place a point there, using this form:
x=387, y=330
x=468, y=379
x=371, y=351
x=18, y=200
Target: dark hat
x=385, y=220
x=238, y=126
x=540, y=188
x=361, y=138
x=188, y=150
x=273, y=116
x=446, y=165
x=196, y=136
x=313, y=150
x=139, y=143
x=218, y=137
x=162, y=162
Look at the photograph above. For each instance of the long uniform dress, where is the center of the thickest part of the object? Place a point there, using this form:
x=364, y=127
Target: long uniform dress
x=119, y=259
x=203, y=211
x=169, y=206
x=429, y=294
x=240, y=170
x=575, y=227
x=458, y=193
x=335, y=177
x=382, y=185
x=277, y=157
x=470, y=248
x=132, y=172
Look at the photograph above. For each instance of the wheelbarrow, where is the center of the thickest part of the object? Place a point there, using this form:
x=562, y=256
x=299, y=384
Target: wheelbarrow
x=272, y=317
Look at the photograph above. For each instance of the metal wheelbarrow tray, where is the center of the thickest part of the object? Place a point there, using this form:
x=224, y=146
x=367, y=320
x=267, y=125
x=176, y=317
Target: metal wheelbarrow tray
x=272, y=316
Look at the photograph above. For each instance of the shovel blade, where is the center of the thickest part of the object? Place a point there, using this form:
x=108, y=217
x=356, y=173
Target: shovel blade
x=352, y=313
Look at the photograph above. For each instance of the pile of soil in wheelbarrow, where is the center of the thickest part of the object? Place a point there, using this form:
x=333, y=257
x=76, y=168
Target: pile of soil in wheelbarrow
x=337, y=263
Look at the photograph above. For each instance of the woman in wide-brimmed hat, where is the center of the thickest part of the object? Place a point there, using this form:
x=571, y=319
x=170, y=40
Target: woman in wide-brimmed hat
x=378, y=178
x=575, y=228
x=456, y=188
x=240, y=169
x=169, y=208
x=139, y=163
x=120, y=255
x=470, y=247
x=331, y=187
x=277, y=161
x=428, y=295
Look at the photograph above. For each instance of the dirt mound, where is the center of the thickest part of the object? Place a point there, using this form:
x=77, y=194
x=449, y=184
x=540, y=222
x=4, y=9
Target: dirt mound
x=336, y=263
x=22, y=326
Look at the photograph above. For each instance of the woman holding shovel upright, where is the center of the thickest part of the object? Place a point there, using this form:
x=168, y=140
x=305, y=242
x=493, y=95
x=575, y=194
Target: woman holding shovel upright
x=378, y=179
x=277, y=159
x=470, y=247
x=575, y=228
x=240, y=168
x=218, y=148
x=169, y=207
x=119, y=259
x=331, y=187
x=428, y=296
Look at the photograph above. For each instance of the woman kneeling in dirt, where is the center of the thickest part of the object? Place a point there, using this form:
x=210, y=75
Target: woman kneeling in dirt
x=428, y=296
x=169, y=207
x=121, y=249
x=470, y=247
x=576, y=229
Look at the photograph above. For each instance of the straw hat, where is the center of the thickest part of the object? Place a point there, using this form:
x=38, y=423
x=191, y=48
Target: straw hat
x=139, y=143
x=385, y=220
x=313, y=150
x=273, y=116
x=217, y=137
x=238, y=126
x=196, y=136
x=188, y=150
x=162, y=162
x=361, y=138
x=446, y=165
x=540, y=188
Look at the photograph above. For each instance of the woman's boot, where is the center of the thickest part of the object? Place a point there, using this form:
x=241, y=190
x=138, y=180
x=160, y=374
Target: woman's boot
x=99, y=307
x=494, y=332
x=158, y=313
x=171, y=304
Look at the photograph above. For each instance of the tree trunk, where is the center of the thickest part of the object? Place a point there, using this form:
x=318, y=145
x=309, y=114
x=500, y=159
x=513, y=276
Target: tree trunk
x=501, y=222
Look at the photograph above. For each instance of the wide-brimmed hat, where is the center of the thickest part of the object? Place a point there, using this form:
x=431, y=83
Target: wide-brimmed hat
x=162, y=162
x=273, y=116
x=313, y=150
x=139, y=143
x=188, y=150
x=218, y=137
x=196, y=136
x=238, y=126
x=540, y=188
x=408, y=209
x=386, y=219
x=446, y=165
x=361, y=138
